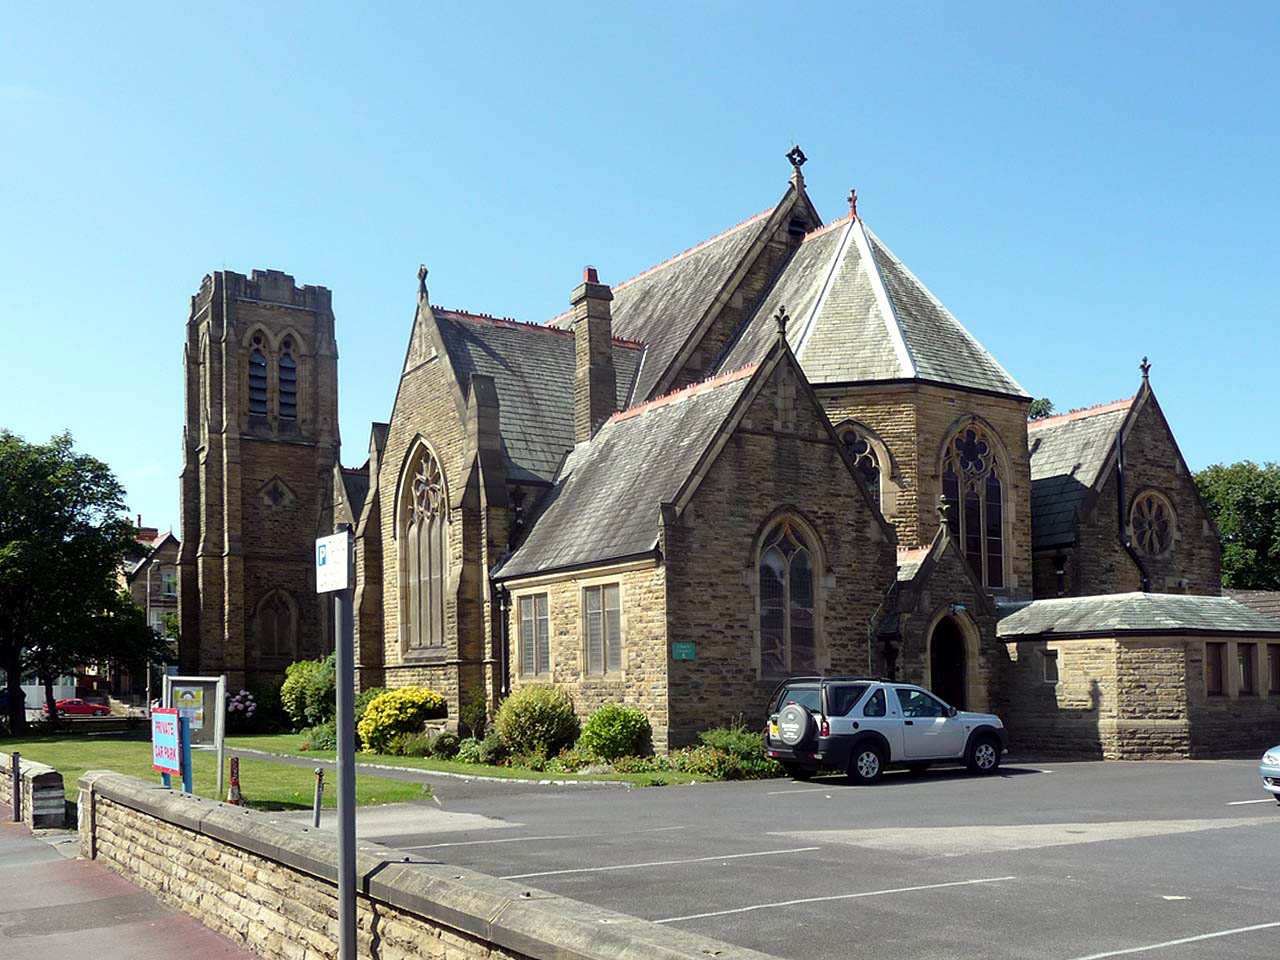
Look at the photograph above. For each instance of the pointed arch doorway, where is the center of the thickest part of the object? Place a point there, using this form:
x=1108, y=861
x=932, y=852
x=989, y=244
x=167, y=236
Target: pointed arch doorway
x=949, y=663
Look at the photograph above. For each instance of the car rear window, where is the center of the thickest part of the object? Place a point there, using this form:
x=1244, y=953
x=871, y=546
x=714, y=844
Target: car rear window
x=805, y=696
x=841, y=698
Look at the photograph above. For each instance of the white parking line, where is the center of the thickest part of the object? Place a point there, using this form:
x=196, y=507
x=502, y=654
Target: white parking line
x=839, y=896
x=657, y=863
x=1241, y=803
x=778, y=793
x=556, y=836
x=1174, y=943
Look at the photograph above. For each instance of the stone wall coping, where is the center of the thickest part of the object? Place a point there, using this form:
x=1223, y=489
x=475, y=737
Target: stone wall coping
x=30, y=769
x=518, y=918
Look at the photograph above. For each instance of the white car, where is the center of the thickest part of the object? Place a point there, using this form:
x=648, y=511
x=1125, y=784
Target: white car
x=861, y=725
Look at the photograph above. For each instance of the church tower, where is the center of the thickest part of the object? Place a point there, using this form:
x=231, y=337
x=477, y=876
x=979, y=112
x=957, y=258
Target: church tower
x=260, y=444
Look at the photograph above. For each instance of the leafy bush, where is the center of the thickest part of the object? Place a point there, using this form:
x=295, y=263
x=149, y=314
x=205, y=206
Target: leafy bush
x=491, y=750
x=323, y=736
x=445, y=746
x=403, y=710
x=468, y=750
x=616, y=731
x=320, y=696
x=293, y=692
x=473, y=715
x=577, y=760
x=640, y=764
x=537, y=719
x=411, y=744
x=746, y=746
x=364, y=698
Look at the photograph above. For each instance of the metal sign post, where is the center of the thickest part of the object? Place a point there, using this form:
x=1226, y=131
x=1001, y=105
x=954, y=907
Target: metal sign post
x=335, y=560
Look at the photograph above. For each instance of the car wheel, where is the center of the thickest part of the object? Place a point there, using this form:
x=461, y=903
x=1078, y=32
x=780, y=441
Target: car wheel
x=865, y=764
x=984, y=755
x=918, y=767
x=797, y=772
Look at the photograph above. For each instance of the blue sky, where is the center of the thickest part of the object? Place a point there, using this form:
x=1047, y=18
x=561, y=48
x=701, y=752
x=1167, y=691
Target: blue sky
x=1081, y=183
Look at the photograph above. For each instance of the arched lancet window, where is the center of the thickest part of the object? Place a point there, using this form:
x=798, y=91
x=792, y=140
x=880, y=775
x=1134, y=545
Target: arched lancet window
x=288, y=381
x=789, y=579
x=1152, y=521
x=257, y=379
x=971, y=482
x=275, y=626
x=424, y=552
x=864, y=458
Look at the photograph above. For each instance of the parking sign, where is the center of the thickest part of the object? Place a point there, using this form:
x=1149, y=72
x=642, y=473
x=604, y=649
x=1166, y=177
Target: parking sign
x=331, y=564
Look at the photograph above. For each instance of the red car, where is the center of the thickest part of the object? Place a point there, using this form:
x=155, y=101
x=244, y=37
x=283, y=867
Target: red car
x=74, y=706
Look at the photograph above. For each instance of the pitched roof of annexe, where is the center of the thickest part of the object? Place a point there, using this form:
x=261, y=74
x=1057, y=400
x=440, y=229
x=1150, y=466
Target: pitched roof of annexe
x=606, y=501
x=662, y=306
x=532, y=367
x=1144, y=614
x=1068, y=453
x=857, y=314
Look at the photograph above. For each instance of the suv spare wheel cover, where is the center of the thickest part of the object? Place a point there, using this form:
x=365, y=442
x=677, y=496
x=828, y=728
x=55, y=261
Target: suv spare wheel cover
x=794, y=724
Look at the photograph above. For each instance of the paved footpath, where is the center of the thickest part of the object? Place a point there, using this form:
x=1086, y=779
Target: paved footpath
x=52, y=905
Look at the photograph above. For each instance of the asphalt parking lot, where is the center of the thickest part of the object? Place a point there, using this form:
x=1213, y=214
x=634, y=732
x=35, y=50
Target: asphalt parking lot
x=1059, y=860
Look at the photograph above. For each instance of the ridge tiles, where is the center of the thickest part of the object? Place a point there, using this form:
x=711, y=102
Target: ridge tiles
x=511, y=322
x=694, y=388
x=1081, y=414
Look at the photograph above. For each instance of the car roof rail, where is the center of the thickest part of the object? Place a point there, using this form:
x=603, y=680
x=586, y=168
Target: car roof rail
x=840, y=679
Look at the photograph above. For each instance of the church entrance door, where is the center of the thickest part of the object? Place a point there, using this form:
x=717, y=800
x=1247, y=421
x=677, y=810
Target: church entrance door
x=948, y=675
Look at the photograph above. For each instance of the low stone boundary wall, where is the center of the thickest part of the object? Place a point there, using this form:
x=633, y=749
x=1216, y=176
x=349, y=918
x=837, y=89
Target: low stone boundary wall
x=271, y=885
x=44, y=801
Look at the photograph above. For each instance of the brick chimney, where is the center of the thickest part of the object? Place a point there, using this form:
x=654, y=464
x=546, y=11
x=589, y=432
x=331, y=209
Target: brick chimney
x=595, y=384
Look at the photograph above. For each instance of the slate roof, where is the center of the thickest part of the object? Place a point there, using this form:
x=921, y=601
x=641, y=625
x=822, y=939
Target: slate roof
x=909, y=562
x=1265, y=602
x=605, y=504
x=858, y=314
x=662, y=306
x=1140, y=613
x=533, y=371
x=1067, y=454
x=355, y=484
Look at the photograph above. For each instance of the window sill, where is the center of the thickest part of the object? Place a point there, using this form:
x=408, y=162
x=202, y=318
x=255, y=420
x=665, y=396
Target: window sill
x=425, y=655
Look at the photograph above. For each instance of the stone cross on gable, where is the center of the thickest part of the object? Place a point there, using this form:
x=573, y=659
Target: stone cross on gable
x=1145, y=367
x=781, y=319
x=853, y=204
x=422, y=280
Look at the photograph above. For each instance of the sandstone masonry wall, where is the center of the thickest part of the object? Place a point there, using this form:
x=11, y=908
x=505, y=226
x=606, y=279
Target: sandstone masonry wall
x=44, y=803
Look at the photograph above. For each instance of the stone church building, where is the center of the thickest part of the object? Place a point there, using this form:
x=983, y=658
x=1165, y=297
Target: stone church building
x=776, y=453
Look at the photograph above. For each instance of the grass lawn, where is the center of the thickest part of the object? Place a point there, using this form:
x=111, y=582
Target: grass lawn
x=264, y=785
x=291, y=745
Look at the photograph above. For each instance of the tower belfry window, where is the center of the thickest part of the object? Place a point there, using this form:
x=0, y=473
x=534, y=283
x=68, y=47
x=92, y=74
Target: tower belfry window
x=288, y=381
x=257, y=379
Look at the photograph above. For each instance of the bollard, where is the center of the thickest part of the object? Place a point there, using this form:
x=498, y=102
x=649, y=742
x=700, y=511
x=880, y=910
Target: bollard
x=16, y=770
x=319, y=795
x=233, y=796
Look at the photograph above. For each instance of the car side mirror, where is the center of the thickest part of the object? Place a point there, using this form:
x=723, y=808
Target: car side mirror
x=952, y=711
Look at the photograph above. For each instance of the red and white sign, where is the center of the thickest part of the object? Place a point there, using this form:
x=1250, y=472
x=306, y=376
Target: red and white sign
x=165, y=755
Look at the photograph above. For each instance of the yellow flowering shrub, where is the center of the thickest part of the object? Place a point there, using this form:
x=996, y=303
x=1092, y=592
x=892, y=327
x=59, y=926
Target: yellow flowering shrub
x=403, y=710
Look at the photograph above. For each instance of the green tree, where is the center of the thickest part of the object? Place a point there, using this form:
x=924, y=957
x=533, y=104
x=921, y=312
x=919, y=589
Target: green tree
x=63, y=538
x=1244, y=500
x=1040, y=409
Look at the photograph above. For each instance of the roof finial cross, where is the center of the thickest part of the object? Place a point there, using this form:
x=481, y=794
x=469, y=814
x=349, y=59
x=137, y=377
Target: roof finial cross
x=853, y=204
x=781, y=319
x=1145, y=367
x=796, y=156
x=422, y=280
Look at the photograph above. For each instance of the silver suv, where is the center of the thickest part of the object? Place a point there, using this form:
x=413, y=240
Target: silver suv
x=861, y=725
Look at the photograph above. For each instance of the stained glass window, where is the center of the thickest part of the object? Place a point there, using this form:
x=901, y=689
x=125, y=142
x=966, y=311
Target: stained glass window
x=788, y=619
x=276, y=626
x=971, y=483
x=424, y=553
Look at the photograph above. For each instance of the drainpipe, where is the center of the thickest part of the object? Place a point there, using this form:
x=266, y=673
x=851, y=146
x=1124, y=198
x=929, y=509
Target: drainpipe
x=1121, y=503
x=503, y=598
